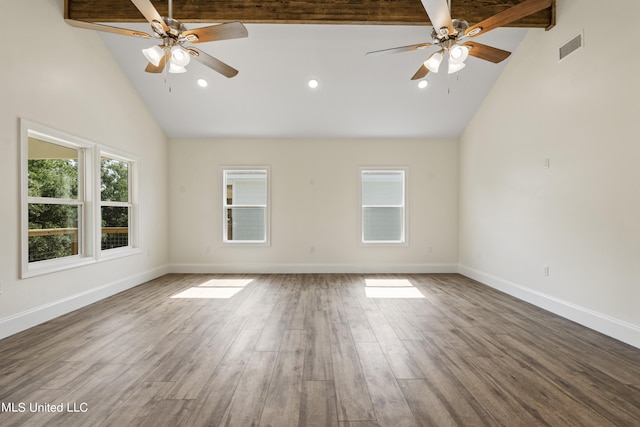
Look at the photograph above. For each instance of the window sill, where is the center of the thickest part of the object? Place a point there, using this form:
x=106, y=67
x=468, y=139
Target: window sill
x=245, y=243
x=53, y=266
x=109, y=254
x=383, y=244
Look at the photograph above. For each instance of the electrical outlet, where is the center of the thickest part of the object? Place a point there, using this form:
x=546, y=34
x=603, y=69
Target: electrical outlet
x=545, y=270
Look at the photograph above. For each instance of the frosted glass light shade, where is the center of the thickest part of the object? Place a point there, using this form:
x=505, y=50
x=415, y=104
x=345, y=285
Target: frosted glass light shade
x=458, y=54
x=154, y=54
x=434, y=61
x=179, y=56
x=176, y=69
x=453, y=68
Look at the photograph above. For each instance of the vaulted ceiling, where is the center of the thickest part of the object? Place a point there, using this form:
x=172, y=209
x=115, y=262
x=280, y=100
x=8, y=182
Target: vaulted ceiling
x=292, y=41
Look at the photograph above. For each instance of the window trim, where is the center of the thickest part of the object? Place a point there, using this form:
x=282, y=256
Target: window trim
x=267, y=207
x=89, y=182
x=405, y=206
x=85, y=149
x=134, y=243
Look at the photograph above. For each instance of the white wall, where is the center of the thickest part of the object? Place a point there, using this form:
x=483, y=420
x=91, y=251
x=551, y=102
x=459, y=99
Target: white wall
x=65, y=78
x=314, y=203
x=581, y=215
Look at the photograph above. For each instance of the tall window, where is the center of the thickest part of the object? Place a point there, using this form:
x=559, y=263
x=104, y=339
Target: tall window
x=56, y=187
x=55, y=200
x=245, y=202
x=382, y=195
x=115, y=202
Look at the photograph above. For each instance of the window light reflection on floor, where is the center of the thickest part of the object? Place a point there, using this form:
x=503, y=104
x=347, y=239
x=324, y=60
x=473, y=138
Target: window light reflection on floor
x=215, y=288
x=391, y=288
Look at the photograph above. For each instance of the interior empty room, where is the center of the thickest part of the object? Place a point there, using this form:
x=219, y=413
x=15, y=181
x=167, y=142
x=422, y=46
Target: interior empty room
x=319, y=214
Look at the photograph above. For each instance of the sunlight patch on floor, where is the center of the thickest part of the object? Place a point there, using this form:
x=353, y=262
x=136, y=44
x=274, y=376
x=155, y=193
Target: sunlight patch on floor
x=387, y=283
x=215, y=288
x=391, y=288
x=227, y=283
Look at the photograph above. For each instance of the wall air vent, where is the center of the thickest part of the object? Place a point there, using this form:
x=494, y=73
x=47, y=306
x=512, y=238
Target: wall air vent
x=571, y=46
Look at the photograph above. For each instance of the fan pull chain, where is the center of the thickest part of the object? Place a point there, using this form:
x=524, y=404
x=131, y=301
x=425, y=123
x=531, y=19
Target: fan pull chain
x=166, y=76
x=449, y=81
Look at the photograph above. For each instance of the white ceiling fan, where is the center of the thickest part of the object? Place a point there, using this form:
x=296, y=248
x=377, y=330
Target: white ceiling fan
x=448, y=33
x=174, y=50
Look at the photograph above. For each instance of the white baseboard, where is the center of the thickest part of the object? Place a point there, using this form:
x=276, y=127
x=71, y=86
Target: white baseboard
x=615, y=328
x=313, y=268
x=19, y=322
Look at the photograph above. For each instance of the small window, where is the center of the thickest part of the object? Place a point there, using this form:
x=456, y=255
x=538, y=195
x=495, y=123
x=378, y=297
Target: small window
x=55, y=185
x=245, y=202
x=116, y=202
x=382, y=195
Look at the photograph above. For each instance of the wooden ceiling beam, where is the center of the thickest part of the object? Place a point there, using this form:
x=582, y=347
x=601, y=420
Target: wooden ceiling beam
x=379, y=12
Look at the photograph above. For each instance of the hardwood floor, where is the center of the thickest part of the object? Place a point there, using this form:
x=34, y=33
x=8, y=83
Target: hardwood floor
x=314, y=350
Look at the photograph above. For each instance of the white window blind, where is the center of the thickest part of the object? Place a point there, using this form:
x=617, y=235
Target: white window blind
x=383, y=206
x=245, y=206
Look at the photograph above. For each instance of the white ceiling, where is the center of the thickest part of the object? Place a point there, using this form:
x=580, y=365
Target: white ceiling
x=359, y=96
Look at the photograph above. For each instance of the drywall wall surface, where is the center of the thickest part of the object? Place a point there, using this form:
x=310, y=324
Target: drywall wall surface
x=64, y=78
x=549, y=200
x=314, y=194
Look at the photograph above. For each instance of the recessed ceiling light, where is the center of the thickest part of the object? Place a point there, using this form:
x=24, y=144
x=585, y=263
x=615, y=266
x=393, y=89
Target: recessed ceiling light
x=313, y=83
x=203, y=82
x=423, y=83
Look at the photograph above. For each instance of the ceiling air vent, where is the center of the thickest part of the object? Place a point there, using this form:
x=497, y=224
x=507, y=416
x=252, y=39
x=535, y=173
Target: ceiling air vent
x=571, y=46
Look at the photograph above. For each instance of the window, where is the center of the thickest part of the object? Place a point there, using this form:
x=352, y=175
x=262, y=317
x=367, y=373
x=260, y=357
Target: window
x=77, y=202
x=55, y=214
x=382, y=196
x=116, y=202
x=245, y=202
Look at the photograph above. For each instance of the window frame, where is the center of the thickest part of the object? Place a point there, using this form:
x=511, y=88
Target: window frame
x=404, y=241
x=86, y=250
x=132, y=204
x=89, y=198
x=267, y=226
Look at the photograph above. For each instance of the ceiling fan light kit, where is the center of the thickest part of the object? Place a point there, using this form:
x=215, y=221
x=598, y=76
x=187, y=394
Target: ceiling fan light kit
x=447, y=34
x=173, y=54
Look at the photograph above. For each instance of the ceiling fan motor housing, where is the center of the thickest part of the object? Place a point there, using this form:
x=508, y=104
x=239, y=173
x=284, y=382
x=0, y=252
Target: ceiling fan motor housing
x=442, y=36
x=175, y=27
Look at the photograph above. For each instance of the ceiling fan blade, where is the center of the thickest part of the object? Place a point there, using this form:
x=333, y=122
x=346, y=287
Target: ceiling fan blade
x=439, y=14
x=508, y=16
x=160, y=67
x=230, y=30
x=213, y=63
x=106, y=28
x=488, y=53
x=151, y=14
x=422, y=71
x=400, y=49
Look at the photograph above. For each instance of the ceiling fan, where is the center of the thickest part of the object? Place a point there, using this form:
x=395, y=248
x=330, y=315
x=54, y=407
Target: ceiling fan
x=174, y=36
x=447, y=34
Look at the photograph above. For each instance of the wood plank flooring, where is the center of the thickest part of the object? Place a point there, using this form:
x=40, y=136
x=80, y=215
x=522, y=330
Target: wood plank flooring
x=314, y=350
